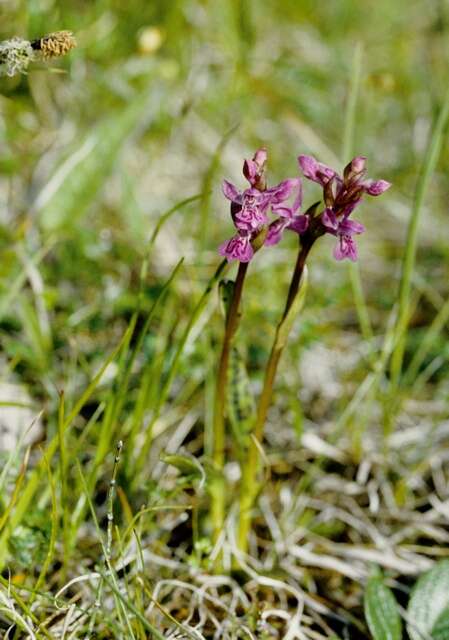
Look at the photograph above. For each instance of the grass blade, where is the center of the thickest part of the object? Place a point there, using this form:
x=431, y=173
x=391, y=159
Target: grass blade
x=408, y=263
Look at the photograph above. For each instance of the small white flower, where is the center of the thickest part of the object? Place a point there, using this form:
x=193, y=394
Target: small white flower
x=15, y=56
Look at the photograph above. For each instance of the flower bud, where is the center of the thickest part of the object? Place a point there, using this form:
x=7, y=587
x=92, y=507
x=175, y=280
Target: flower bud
x=358, y=164
x=254, y=170
x=355, y=168
x=260, y=157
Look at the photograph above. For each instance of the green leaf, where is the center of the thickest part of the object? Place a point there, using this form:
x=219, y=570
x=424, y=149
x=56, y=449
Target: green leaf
x=186, y=465
x=429, y=603
x=381, y=611
x=440, y=630
x=241, y=407
x=298, y=303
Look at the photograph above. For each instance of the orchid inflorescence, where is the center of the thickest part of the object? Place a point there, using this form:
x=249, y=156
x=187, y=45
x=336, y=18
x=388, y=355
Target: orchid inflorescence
x=341, y=195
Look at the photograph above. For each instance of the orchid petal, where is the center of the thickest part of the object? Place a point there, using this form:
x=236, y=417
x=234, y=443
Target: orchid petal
x=237, y=248
x=329, y=219
x=282, y=191
x=345, y=248
x=275, y=231
x=230, y=191
x=316, y=171
x=250, y=218
x=300, y=224
x=250, y=171
x=350, y=227
x=282, y=211
x=375, y=187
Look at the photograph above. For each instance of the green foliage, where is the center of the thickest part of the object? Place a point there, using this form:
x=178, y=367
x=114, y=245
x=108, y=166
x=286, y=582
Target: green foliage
x=440, y=630
x=30, y=541
x=241, y=407
x=381, y=610
x=188, y=466
x=428, y=608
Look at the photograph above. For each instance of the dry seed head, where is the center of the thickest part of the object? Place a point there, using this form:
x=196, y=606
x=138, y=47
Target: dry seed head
x=55, y=44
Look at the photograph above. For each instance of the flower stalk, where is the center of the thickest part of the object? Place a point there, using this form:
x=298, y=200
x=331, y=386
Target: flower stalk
x=249, y=485
x=217, y=487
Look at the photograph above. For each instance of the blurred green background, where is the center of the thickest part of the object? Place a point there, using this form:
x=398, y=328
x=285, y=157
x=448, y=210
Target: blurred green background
x=160, y=102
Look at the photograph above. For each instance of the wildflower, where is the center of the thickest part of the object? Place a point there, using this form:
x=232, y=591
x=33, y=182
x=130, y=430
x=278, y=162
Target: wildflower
x=344, y=229
x=249, y=208
x=55, y=44
x=342, y=194
x=15, y=56
x=288, y=218
x=237, y=248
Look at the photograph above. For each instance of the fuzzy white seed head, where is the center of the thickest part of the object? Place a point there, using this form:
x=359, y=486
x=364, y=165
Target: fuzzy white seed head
x=15, y=56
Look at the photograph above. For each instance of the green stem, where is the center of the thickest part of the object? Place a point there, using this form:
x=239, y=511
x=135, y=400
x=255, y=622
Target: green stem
x=347, y=152
x=217, y=488
x=411, y=244
x=249, y=485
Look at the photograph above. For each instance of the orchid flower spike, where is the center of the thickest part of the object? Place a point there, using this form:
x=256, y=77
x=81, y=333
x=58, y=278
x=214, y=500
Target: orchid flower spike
x=250, y=208
x=342, y=194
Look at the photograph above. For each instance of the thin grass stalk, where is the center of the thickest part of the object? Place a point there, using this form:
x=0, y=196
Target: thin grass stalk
x=15, y=453
x=173, y=368
x=249, y=484
x=128, y=605
x=63, y=467
x=118, y=396
x=217, y=487
x=139, y=582
x=19, y=621
x=168, y=214
x=118, y=400
x=33, y=482
x=118, y=393
x=411, y=243
x=5, y=519
x=127, y=358
x=111, y=496
x=347, y=152
x=121, y=612
x=207, y=184
x=53, y=534
x=26, y=607
x=436, y=327
x=183, y=629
